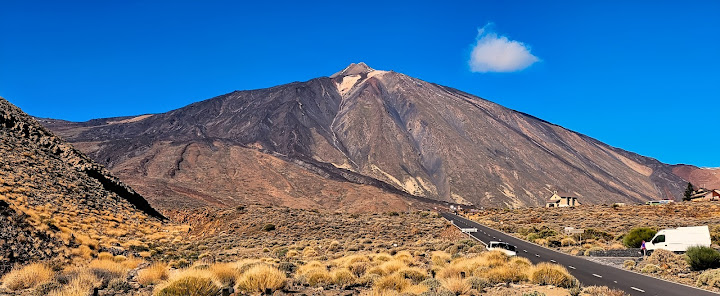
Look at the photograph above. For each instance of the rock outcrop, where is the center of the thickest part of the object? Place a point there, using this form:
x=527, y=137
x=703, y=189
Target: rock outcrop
x=53, y=198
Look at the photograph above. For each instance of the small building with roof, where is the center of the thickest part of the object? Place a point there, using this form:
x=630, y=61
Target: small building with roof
x=561, y=200
x=703, y=194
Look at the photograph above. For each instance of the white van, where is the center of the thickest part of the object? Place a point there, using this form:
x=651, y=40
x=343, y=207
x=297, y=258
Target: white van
x=680, y=239
x=504, y=247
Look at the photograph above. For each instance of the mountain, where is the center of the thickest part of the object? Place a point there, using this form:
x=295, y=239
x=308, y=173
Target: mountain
x=700, y=177
x=55, y=202
x=362, y=133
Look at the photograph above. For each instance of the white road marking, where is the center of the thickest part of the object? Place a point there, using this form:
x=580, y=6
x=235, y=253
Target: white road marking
x=639, y=290
x=571, y=267
x=615, y=282
x=525, y=251
x=597, y=275
x=553, y=261
x=536, y=255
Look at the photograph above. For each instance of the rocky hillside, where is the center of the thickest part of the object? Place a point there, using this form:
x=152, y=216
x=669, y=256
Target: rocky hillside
x=700, y=177
x=367, y=128
x=57, y=203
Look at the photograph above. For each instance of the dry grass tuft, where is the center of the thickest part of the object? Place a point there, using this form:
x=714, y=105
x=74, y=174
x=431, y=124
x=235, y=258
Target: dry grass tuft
x=552, y=274
x=317, y=277
x=415, y=289
x=154, y=274
x=343, y=278
x=105, y=256
x=505, y=274
x=440, y=258
x=709, y=277
x=225, y=273
x=457, y=285
x=109, y=267
x=392, y=266
x=415, y=274
x=189, y=285
x=27, y=276
x=393, y=282
x=262, y=278
x=81, y=283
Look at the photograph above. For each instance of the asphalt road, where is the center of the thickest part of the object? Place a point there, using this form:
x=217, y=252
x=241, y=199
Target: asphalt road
x=589, y=273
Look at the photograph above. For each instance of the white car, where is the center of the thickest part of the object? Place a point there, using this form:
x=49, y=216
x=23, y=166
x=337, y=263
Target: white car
x=504, y=247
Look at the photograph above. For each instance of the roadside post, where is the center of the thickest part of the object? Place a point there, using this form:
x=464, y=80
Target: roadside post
x=572, y=230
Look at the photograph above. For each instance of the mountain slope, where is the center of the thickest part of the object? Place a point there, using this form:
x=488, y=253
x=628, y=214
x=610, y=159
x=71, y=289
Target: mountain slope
x=386, y=129
x=700, y=177
x=56, y=202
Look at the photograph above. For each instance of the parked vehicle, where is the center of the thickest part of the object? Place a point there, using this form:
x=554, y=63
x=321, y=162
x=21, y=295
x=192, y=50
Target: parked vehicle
x=680, y=239
x=659, y=202
x=504, y=247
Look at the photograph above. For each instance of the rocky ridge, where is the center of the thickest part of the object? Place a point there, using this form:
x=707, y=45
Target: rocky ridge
x=57, y=203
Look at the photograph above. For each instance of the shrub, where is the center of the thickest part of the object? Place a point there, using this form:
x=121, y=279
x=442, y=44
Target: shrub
x=591, y=233
x=359, y=268
x=262, y=278
x=343, y=278
x=404, y=256
x=602, y=291
x=505, y=274
x=650, y=268
x=568, y=241
x=635, y=237
x=575, y=291
x=478, y=283
x=414, y=274
x=545, y=233
x=225, y=273
x=317, y=277
x=593, y=249
x=80, y=283
x=27, y=276
x=453, y=270
x=415, y=290
x=269, y=227
x=440, y=258
x=710, y=278
x=154, y=274
x=629, y=264
x=190, y=285
x=119, y=285
x=180, y=263
x=701, y=258
x=457, y=285
x=105, y=256
x=108, y=269
x=431, y=283
x=392, y=266
x=552, y=274
x=394, y=282
x=553, y=242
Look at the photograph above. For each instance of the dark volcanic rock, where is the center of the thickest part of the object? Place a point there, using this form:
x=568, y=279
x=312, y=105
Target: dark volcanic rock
x=371, y=127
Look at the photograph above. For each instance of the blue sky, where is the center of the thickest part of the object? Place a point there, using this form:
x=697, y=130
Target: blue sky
x=641, y=76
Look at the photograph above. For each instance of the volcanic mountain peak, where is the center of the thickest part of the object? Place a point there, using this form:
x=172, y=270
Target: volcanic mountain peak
x=353, y=69
x=368, y=127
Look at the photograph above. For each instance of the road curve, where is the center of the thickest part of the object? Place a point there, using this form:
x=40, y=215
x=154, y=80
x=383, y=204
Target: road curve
x=587, y=272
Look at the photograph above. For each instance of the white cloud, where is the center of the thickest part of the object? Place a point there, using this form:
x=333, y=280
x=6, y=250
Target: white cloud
x=494, y=53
